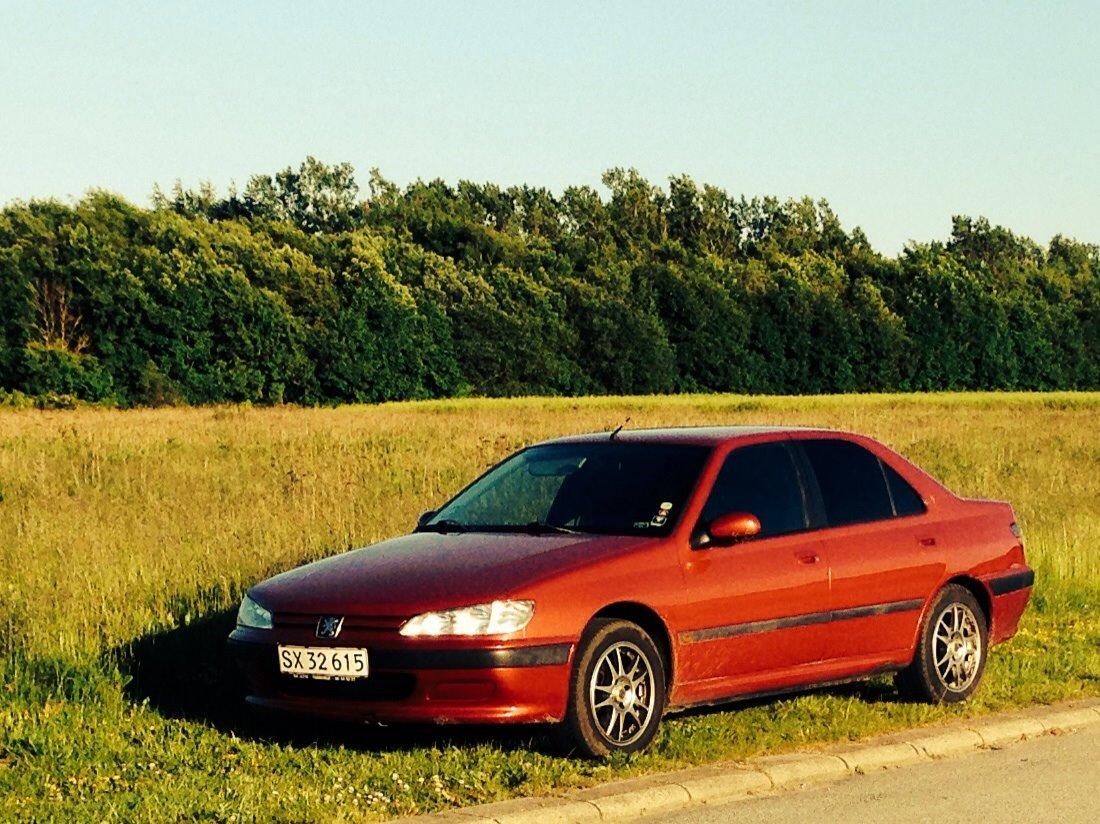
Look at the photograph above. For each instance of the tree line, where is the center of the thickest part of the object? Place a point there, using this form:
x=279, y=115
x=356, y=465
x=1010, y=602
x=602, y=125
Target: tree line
x=301, y=288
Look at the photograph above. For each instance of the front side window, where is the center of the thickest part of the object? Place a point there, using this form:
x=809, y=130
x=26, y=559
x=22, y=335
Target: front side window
x=852, y=484
x=762, y=481
x=603, y=487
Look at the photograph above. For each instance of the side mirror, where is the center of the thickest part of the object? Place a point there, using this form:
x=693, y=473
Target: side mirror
x=733, y=526
x=425, y=517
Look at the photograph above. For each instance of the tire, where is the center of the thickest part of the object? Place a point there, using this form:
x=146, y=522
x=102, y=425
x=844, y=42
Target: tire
x=613, y=707
x=950, y=657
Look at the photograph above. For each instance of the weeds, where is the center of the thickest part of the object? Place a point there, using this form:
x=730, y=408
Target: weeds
x=126, y=539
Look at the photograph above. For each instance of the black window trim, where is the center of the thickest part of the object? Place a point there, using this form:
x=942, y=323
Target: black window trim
x=813, y=504
x=889, y=491
x=811, y=492
x=819, y=502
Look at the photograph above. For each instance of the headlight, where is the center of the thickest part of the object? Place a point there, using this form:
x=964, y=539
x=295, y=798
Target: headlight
x=497, y=618
x=253, y=615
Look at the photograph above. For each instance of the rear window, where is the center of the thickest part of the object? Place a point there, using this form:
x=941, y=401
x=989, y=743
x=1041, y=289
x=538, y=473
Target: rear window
x=852, y=484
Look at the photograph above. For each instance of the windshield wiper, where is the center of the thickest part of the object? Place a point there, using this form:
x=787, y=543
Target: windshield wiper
x=543, y=528
x=446, y=525
x=533, y=528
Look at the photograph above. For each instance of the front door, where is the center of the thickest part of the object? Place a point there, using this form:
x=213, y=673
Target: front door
x=754, y=610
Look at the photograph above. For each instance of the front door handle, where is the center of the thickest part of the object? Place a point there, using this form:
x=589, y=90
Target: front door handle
x=927, y=541
x=807, y=557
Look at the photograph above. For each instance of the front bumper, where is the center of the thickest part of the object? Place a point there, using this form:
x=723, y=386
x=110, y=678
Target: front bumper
x=415, y=683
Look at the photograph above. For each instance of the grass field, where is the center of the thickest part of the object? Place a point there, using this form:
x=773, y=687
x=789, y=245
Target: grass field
x=127, y=537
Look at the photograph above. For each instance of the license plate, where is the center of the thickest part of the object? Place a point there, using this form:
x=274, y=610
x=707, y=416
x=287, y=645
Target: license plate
x=323, y=662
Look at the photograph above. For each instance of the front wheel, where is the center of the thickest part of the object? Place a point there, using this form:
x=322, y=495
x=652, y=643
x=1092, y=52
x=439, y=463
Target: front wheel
x=950, y=658
x=616, y=691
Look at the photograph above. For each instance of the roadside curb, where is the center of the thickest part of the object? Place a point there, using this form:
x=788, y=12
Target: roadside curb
x=672, y=792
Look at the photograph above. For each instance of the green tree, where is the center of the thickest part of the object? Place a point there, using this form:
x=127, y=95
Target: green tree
x=315, y=197
x=295, y=290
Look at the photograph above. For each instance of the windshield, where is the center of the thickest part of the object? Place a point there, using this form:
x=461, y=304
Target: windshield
x=607, y=487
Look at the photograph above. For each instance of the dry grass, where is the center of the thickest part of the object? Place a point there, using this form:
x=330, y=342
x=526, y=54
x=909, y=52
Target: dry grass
x=114, y=524
x=119, y=526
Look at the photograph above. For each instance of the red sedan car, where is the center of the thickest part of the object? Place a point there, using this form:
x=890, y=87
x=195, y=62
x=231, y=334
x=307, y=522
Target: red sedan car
x=599, y=581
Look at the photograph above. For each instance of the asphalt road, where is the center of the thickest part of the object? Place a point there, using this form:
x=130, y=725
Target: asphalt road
x=1053, y=778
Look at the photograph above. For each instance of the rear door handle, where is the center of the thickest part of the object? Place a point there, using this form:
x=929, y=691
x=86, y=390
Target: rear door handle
x=926, y=541
x=807, y=557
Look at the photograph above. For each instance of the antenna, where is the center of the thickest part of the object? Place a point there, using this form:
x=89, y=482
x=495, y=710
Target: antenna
x=618, y=429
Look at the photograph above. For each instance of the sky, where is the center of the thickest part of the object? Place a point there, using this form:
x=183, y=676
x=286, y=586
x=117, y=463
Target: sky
x=900, y=115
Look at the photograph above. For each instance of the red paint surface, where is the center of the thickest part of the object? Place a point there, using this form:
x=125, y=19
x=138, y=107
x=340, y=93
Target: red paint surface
x=684, y=589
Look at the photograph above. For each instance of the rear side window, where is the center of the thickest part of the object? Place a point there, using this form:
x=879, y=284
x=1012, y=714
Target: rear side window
x=761, y=480
x=906, y=499
x=852, y=484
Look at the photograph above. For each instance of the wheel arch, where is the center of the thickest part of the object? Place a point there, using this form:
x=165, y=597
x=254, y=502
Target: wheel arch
x=648, y=619
x=980, y=592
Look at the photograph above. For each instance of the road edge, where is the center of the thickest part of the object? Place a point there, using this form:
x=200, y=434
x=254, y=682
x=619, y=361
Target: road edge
x=727, y=781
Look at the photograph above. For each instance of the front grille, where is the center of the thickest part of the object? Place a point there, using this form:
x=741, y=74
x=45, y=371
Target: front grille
x=380, y=686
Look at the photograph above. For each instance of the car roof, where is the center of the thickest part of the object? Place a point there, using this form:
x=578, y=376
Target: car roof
x=694, y=435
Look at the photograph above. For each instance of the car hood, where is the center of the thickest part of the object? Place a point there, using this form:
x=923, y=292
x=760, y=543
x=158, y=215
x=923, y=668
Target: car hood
x=426, y=571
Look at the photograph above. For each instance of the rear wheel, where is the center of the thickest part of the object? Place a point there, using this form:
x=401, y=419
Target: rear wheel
x=616, y=691
x=950, y=658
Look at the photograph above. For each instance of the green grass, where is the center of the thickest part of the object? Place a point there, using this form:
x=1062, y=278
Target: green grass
x=126, y=539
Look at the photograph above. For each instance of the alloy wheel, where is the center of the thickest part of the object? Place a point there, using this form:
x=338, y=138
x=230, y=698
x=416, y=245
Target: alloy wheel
x=957, y=647
x=621, y=693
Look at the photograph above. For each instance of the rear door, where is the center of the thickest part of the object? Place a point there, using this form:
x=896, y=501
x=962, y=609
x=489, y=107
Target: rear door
x=881, y=547
x=752, y=608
